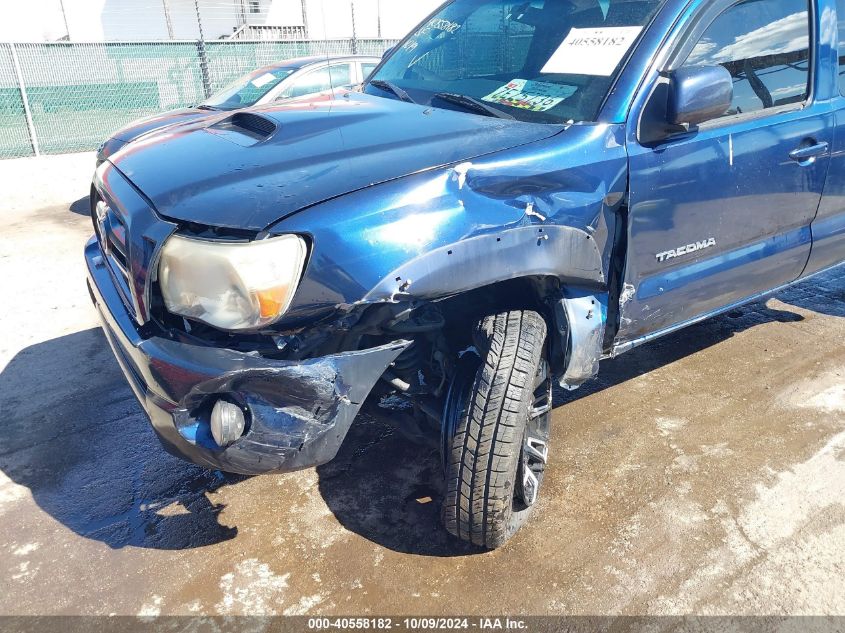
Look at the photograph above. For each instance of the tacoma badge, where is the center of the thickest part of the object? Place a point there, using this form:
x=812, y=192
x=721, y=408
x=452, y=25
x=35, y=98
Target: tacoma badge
x=686, y=250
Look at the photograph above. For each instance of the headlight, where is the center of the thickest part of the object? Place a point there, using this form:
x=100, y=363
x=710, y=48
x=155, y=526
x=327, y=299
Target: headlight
x=231, y=286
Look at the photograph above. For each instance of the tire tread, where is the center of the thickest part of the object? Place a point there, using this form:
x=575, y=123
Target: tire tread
x=486, y=448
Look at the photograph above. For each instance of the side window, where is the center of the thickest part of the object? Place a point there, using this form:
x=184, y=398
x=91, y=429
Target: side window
x=341, y=75
x=368, y=68
x=315, y=81
x=765, y=45
x=840, y=16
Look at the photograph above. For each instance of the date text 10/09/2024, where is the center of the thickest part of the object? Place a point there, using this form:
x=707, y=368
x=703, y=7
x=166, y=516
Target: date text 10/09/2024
x=416, y=624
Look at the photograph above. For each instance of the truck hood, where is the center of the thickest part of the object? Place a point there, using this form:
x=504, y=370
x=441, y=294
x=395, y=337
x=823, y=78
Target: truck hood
x=214, y=173
x=148, y=124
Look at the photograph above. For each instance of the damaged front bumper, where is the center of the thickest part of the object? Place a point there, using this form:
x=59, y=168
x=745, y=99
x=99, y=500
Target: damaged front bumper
x=298, y=413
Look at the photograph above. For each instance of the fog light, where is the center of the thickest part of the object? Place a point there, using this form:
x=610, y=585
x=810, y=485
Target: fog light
x=227, y=423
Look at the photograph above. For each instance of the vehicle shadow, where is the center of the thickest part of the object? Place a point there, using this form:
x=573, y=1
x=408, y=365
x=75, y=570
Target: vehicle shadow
x=77, y=439
x=824, y=293
x=389, y=490
x=81, y=207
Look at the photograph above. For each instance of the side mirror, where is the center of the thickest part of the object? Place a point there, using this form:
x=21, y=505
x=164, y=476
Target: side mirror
x=387, y=53
x=699, y=94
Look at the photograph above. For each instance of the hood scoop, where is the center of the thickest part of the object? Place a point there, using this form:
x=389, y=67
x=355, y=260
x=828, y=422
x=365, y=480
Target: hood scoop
x=254, y=127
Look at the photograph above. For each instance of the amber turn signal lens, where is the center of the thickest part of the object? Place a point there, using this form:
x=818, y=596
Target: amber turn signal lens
x=271, y=302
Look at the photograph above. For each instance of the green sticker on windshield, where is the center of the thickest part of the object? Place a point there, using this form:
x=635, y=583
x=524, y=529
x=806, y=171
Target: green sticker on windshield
x=537, y=96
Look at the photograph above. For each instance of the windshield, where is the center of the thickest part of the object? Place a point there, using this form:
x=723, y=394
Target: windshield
x=247, y=91
x=544, y=61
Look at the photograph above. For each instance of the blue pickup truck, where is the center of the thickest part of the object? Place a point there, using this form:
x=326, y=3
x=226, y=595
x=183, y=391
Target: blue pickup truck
x=520, y=190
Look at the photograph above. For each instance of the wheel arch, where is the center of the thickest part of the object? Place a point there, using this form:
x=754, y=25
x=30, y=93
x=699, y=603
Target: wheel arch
x=576, y=317
x=534, y=250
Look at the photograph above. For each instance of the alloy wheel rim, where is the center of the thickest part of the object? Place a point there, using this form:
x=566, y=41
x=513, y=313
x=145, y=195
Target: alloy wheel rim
x=535, y=443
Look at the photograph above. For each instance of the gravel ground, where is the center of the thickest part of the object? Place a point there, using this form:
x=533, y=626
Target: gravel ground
x=702, y=474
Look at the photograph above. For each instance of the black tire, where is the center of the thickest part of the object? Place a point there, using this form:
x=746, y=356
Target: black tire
x=486, y=502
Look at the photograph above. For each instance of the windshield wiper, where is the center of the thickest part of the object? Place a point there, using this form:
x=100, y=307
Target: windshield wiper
x=392, y=87
x=473, y=104
x=203, y=106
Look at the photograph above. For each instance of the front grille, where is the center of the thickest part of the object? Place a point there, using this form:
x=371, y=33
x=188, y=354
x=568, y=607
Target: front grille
x=130, y=235
x=112, y=237
x=116, y=235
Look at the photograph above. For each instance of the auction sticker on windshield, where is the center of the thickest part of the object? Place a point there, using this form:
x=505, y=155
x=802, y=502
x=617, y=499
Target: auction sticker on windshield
x=537, y=96
x=594, y=52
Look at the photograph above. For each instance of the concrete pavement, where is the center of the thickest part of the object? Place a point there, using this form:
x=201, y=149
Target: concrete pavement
x=702, y=474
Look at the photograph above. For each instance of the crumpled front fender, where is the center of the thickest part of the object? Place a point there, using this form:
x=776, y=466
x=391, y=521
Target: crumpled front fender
x=546, y=209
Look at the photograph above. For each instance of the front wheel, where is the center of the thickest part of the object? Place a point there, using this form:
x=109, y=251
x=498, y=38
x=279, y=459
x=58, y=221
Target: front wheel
x=495, y=459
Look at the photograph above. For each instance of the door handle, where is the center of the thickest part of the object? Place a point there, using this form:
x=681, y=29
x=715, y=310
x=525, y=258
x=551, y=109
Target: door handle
x=805, y=155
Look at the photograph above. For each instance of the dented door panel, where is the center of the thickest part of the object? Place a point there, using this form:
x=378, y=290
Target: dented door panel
x=718, y=217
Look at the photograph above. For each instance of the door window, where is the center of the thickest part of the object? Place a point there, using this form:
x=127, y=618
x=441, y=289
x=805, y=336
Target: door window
x=765, y=45
x=341, y=75
x=315, y=81
x=367, y=69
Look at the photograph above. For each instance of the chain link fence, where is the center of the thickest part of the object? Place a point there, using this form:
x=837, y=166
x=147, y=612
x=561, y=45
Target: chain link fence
x=14, y=135
x=63, y=97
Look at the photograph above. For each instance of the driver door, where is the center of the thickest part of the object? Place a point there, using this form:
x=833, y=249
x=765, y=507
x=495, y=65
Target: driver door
x=722, y=213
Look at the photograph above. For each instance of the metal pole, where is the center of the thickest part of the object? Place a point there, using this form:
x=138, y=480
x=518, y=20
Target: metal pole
x=354, y=33
x=206, y=80
x=241, y=13
x=378, y=14
x=64, y=15
x=199, y=18
x=167, y=19
x=33, y=138
x=305, y=17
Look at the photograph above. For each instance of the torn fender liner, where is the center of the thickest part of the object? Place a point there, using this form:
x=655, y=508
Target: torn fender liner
x=299, y=412
x=584, y=315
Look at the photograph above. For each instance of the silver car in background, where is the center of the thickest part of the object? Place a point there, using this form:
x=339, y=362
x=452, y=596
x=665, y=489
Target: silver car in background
x=288, y=79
